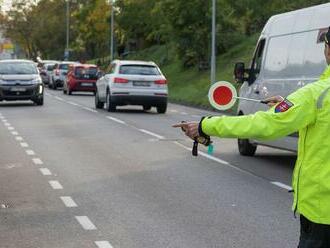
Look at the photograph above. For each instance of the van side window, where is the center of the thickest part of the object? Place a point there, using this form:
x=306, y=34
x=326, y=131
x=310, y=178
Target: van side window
x=277, y=56
x=257, y=61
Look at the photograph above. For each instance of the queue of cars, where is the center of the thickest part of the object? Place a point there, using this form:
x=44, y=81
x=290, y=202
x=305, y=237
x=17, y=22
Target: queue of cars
x=124, y=82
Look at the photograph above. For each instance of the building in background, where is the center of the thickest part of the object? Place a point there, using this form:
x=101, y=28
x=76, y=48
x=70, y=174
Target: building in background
x=7, y=48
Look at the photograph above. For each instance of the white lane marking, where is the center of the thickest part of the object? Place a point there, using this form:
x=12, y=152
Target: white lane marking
x=14, y=133
x=23, y=144
x=85, y=222
x=59, y=98
x=196, y=116
x=45, y=171
x=68, y=202
x=103, y=244
x=281, y=185
x=37, y=161
x=184, y=113
x=152, y=134
x=30, y=152
x=89, y=109
x=115, y=120
x=173, y=111
x=7, y=124
x=220, y=161
x=10, y=128
x=73, y=103
x=19, y=138
x=55, y=184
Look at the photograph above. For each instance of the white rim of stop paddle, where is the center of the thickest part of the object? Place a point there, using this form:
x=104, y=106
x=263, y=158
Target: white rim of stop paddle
x=213, y=102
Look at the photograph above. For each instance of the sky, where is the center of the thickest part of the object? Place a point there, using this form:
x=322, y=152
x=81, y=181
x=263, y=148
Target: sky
x=6, y=4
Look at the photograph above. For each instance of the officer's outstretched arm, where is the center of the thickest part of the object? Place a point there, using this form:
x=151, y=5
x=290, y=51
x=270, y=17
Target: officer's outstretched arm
x=289, y=116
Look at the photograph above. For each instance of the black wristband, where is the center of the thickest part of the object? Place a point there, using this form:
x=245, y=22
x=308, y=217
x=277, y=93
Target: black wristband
x=200, y=131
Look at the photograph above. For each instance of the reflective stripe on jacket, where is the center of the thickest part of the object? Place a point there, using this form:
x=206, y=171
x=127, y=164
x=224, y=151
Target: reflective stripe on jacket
x=308, y=111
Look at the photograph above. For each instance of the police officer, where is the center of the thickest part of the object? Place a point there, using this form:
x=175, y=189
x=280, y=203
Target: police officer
x=308, y=111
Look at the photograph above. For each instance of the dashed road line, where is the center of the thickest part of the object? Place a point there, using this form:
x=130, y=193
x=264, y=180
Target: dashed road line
x=115, y=120
x=11, y=128
x=7, y=124
x=73, y=103
x=59, y=98
x=103, y=244
x=85, y=222
x=91, y=110
x=152, y=134
x=45, y=171
x=19, y=138
x=30, y=152
x=184, y=113
x=68, y=202
x=14, y=133
x=173, y=111
x=23, y=144
x=55, y=184
x=281, y=185
x=196, y=116
x=37, y=161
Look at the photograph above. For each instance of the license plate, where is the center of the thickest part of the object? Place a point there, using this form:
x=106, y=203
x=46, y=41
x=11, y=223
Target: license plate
x=17, y=89
x=87, y=84
x=141, y=83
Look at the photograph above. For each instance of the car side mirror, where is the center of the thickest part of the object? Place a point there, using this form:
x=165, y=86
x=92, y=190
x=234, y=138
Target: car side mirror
x=100, y=74
x=239, y=72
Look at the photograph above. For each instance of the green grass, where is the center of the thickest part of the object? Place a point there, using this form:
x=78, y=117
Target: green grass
x=190, y=86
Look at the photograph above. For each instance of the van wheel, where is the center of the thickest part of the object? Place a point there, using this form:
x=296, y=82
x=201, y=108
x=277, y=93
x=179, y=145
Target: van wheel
x=98, y=103
x=109, y=105
x=146, y=107
x=246, y=148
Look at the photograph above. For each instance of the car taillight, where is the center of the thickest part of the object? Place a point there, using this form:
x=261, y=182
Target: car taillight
x=120, y=80
x=161, y=81
x=57, y=72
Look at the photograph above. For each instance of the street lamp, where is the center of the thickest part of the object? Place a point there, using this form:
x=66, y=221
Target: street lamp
x=66, y=53
x=112, y=31
x=213, y=53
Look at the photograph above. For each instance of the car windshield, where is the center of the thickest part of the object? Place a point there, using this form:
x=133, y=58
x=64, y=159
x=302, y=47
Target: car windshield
x=63, y=67
x=17, y=68
x=86, y=73
x=139, y=70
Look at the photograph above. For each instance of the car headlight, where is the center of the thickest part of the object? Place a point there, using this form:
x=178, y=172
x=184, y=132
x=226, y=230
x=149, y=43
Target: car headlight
x=36, y=81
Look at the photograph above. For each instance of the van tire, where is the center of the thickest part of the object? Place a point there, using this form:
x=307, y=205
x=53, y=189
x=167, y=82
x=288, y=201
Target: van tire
x=161, y=109
x=245, y=148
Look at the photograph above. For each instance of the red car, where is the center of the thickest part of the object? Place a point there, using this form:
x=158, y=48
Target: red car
x=81, y=77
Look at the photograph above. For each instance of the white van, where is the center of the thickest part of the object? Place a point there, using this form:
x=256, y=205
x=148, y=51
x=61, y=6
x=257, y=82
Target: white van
x=289, y=55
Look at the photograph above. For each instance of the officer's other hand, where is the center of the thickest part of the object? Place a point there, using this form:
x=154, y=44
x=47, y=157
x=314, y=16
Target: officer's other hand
x=190, y=128
x=272, y=101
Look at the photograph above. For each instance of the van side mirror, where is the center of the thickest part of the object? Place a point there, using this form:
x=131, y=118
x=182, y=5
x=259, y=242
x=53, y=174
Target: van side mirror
x=239, y=72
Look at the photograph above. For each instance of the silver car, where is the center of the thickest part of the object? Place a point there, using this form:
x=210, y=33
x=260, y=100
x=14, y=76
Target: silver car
x=132, y=83
x=20, y=80
x=59, y=73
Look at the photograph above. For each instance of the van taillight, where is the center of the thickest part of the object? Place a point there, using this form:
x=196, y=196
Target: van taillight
x=120, y=80
x=162, y=81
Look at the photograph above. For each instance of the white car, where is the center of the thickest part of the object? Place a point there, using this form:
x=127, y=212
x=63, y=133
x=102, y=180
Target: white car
x=132, y=83
x=58, y=75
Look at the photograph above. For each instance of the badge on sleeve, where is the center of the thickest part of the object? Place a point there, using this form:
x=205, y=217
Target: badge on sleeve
x=283, y=106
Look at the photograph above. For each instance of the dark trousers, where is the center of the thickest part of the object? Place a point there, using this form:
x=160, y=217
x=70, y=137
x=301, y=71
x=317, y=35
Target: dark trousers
x=313, y=235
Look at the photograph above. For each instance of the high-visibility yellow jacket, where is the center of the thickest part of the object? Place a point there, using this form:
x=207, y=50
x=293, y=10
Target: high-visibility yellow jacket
x=308, y=111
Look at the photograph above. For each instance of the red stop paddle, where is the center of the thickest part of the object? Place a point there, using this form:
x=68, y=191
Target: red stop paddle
x=223, y=95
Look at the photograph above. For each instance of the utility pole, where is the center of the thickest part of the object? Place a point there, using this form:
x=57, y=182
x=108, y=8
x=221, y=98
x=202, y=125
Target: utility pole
x=112, y=31
x=213, y=54
x=66, y=53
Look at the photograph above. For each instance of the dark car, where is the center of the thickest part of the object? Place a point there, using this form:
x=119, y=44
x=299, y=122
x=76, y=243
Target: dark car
x=20, y=80
x=81, y=77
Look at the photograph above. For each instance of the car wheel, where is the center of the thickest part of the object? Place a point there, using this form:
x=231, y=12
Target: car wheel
x=64, y=91
x=69, y=92
x=161, y=109
x=98, y=103
x=246, y=148
x=55, y=86
x=110, y=106
x=39, y=101
x=146, y=107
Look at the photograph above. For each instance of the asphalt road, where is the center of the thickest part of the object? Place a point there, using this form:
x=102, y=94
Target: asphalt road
x=73, y=176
